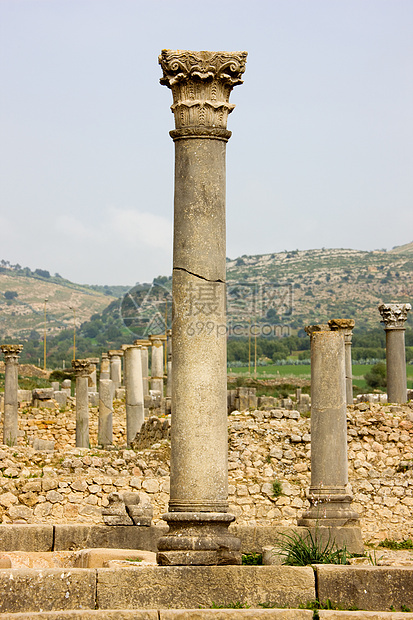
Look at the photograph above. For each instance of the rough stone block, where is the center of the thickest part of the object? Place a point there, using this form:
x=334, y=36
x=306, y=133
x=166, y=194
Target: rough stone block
x=42, y=393
x=60, y=398
x=26, y=537
x=93, y=399
x=24, y=396
x=97, y=558
x=370, y=588
x=363, y=615
x=25, y=590
x=43, y=445
x=79, y=536
x=254, y=539
x=85, y=614
x=188, y=587
x=235, y=614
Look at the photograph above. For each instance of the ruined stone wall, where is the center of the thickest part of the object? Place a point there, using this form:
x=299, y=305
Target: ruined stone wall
x=71, y=485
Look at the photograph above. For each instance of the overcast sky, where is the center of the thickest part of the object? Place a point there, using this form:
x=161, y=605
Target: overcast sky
x=322, y=147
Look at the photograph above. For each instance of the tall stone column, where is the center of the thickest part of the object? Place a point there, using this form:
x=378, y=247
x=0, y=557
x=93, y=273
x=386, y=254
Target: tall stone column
x=330, y=501
x=115, y=368
x=394, y=317
x=134, y=391
x=346, y=326
x=144, y=344
x=105, y=422
x=82, y=370
x=105, y=367
x=11, y=385
x=201, y=83
x=169, y=364
x=157, y=364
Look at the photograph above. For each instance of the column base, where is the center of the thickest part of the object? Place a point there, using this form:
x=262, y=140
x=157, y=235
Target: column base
x=330, y=511
x=198, y=539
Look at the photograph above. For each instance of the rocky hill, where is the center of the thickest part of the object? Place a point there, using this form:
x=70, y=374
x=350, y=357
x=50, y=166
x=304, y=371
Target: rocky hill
x=315, y=285
x=22, y=302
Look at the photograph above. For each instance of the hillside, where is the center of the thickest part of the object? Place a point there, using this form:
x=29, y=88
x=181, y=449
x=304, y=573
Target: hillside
x=22, y=303
x=316, y=285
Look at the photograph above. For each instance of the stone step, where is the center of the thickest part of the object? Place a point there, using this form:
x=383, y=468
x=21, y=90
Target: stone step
x=207, y=614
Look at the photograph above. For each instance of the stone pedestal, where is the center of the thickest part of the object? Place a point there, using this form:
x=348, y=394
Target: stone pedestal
x=11, y=385
x=394, y=317
x=105, y=367
x=115, y=368
x=105, y=423
x=328, y=495
x=201, y=83
x=134, y=391
x=157, y=363
x=346, y=326
x=82, y=370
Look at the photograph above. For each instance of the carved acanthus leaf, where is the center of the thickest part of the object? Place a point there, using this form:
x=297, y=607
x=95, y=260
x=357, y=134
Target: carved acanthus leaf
x=394, y=315
x=11, y=351
x=201, y=83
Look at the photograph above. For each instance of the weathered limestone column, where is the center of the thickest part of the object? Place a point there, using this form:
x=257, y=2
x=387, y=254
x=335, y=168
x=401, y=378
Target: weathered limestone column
x=105, y=422
x=105, y=367
x=201, y=83
x=11, y=385
x=115, y=368
x=394, y=317
x=346, y=326
x=134, y=391
x=329, y=498
x=157, y=364
x=82, y=370
x=169, y=364
x=144, y=344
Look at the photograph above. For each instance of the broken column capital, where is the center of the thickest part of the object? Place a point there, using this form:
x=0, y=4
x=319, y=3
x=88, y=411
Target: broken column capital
x=201, y=83
x=82, y=368
x=394, y=315
x=11, y=352
x=346, y=326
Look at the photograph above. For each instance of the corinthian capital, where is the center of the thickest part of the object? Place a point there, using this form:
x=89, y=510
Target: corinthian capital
x=394, y=315
x=201, y=83
x=11, y=351
x=82, y=368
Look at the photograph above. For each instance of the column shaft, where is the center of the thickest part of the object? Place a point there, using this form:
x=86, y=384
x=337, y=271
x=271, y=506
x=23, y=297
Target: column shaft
x=10, y=418
x=82, y=412
x=394, y=317
x=329, y=467
x=134, y=392
x=105, y=423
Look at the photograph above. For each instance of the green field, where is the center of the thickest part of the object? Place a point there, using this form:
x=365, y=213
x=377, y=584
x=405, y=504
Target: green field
x=304, y=372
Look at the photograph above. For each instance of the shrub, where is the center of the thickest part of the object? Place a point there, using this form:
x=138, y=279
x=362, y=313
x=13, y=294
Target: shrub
x=301, y=550
x=376, y=378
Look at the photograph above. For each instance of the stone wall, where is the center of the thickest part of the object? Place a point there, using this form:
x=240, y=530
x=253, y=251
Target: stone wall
x=71, y=485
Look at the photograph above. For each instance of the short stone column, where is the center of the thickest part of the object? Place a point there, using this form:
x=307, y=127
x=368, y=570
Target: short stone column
x=329, y=498
x=169, y=364
x=82, y=370
x=198, y=518
x=394, y=317
x=346, y=326
x=144, y=344
x=105, y=422
x=105, y=367
x=92, y=377
x=134, y=391
x=11, y=385
x=157, y=364
x=115, y=368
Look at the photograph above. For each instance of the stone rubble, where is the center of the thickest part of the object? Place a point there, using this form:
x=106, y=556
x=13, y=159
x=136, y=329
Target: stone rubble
x=72, y=485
